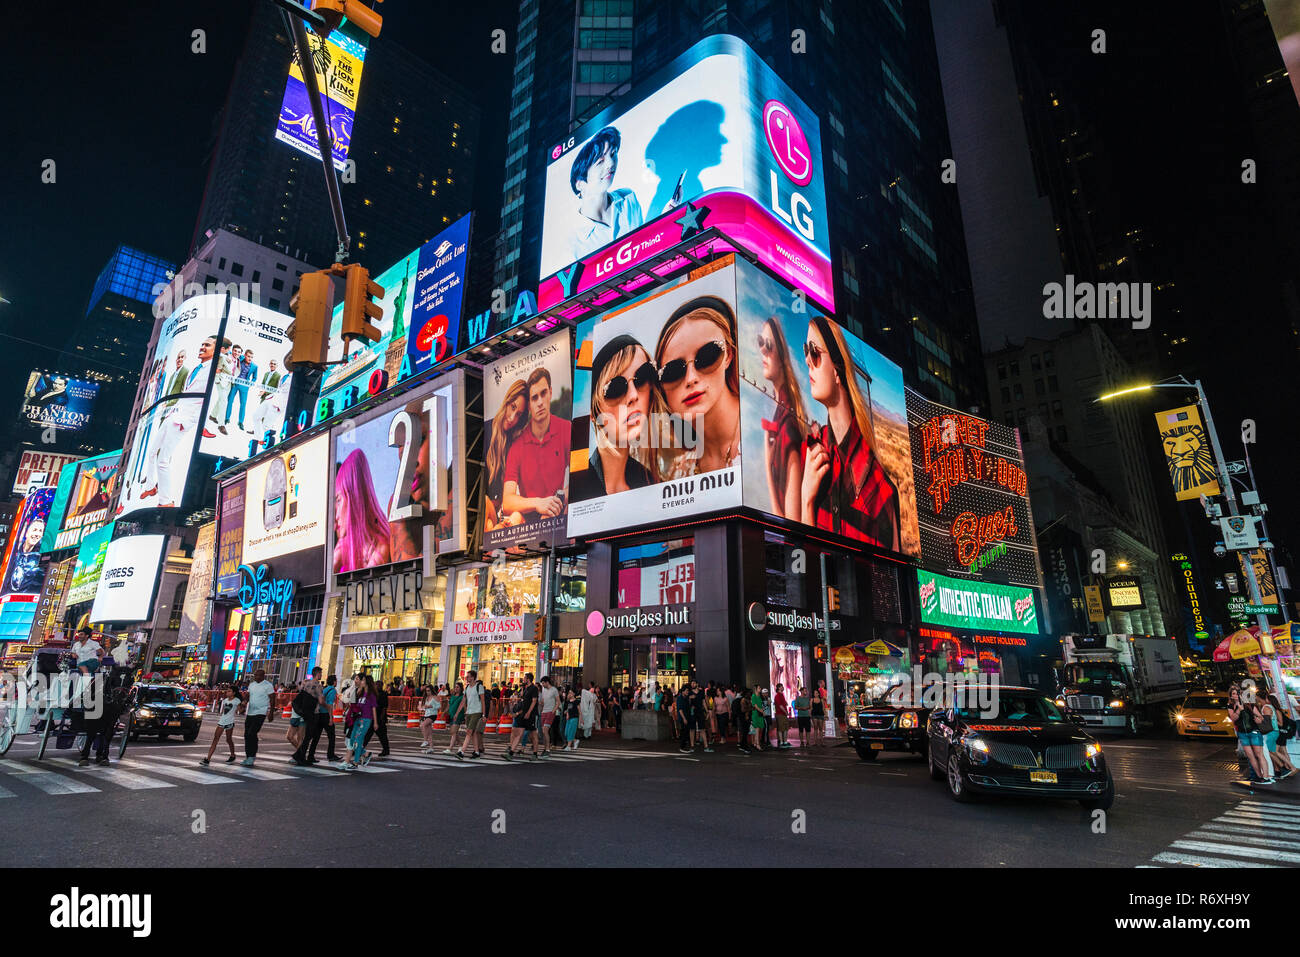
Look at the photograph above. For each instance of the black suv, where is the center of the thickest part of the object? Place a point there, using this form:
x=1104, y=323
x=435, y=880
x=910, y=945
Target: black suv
x=162, y=710
x=887, y=724
x=1025, y=746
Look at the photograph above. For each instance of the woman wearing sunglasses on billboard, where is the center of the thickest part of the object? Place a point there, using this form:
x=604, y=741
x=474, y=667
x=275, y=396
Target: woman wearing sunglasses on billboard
x=845, y=489
x=507, y=425
x=625, y=401
x=782, y=452
x=697, y=369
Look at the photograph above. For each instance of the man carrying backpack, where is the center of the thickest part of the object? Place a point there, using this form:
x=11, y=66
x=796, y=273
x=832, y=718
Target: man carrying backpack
x=306, y=705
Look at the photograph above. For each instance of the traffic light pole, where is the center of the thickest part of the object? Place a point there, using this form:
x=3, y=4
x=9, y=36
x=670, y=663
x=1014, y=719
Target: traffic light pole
x=322, y=132
x=826, y=637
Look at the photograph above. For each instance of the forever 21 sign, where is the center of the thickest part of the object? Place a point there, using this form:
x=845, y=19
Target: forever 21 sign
x=384, y=594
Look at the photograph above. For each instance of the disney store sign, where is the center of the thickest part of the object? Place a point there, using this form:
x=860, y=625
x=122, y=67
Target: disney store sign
x=257, y=587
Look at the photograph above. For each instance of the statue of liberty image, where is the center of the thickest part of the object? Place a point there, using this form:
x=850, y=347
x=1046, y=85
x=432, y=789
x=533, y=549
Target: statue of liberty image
x=397, y=338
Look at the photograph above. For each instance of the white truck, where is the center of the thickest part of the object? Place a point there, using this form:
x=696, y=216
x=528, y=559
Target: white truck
x=1114, y=681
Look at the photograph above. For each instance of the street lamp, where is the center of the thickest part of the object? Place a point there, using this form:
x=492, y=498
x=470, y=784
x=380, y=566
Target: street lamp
x=1220, y=463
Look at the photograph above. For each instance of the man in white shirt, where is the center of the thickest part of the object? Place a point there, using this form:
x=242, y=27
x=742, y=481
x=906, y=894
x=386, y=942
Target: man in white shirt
x=550, y=701
x=259, y=709
x=180, y=423
x=475, y=705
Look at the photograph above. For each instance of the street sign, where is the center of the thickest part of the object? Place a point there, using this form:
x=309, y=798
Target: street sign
x=1235, y=468
x=1262, y=609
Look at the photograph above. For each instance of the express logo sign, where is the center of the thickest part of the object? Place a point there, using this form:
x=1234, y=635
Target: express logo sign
x=786, y=140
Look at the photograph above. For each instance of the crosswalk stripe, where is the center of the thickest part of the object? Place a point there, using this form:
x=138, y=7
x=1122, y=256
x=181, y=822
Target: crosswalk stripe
x=1253, y=842
x=578, y=756
x=47, y=781
x=1172, y=858
x=193, y=775
x=1237, y=851
x=1236, y=817
x=371, y=769
x=1274, y=813
x=1235, y=830
x=1292, y=808
x=255, y=773
x=427, y=763
x=126, y=779
x=6, y=793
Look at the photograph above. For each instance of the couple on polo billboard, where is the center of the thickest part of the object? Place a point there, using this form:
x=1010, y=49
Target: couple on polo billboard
x=528, y=403
x=680, y=382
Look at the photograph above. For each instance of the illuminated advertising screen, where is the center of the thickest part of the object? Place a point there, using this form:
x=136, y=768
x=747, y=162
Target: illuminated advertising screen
x=196, y=609
x=527, y=406
x=1285, y=17
x=421, y=322
x=90, y=563
x=81, y=501
x=39, y=469
x=971, y=494
x=126, y=585
x=59, y=402
x=230, y=534
x=286, y=509
x=23, y=572
x=787, y=665
x=399, y=475
x=250, y=390
x=1124, y=593
x=51, y=602
x=960, y=603
x=714, y=139
x=337, y=85
x=186, y=357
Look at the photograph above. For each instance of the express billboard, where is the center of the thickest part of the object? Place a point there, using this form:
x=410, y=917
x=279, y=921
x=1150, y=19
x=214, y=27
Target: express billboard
x=250, y=388
x=420, y=326
x=527, y=407
x=286, y=509
x=186, y=355
x=972, y=495
x=81, y=501
x=716, y=130
x=338, y=85
x=681, y=382
x=59, y=402
x=126, y=585
x=399, y=475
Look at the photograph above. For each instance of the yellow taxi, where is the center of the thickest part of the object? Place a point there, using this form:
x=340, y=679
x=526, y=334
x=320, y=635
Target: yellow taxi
x=1204, y=714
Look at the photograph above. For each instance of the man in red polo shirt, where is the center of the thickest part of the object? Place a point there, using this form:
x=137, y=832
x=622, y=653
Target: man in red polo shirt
x=538, y=461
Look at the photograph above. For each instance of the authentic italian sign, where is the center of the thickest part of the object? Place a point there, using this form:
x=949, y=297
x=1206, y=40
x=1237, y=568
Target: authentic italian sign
x=958, y=603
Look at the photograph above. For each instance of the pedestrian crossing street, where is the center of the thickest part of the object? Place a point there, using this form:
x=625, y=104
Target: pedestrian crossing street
x=145, y=769
x=1252, y=834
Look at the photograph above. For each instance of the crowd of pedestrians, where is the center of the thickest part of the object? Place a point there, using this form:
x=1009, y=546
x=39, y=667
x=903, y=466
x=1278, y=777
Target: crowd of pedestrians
x=1263, y=728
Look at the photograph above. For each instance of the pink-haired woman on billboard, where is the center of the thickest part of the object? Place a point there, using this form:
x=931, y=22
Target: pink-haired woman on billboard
x=700, y=378
x=845, y=488
x=784, y=432
x=360, y=526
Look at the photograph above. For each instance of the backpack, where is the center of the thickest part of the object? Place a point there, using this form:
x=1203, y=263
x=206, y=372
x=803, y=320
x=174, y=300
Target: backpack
x=304, y=704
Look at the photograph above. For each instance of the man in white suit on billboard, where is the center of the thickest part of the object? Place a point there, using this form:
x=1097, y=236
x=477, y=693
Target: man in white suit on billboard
x=180, y=426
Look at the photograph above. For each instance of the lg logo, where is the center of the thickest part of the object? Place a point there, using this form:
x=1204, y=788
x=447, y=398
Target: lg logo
x=789, y=147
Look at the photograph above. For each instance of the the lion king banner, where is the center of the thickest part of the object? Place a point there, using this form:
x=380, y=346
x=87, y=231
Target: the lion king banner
x=1187, y=452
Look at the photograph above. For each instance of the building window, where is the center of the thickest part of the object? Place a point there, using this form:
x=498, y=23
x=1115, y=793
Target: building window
x=1038, y=387
x=1061, y=434
x=1052, y=384
x=257, y=275
x=1048, y=361
x=1019, y=392
x=1006, y=394
x=1015, y=368
x=282, y=267
x=275, y=303
x=1034, y=362
x=221, y=263
x=1002, y=371
x=236, y=269
x=277, y=284
x=1057, y=410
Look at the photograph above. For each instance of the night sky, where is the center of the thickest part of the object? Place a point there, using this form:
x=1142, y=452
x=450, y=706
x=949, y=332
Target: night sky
x=116, y=97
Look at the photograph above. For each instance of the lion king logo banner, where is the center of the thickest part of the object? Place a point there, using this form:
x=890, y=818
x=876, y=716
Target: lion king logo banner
x=1187, y=452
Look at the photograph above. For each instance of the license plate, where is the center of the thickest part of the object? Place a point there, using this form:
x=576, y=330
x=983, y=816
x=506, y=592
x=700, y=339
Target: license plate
x=877, y=746
x=173, y=724
x=1043, y=777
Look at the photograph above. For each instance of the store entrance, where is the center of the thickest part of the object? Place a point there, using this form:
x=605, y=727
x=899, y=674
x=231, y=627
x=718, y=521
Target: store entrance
x=668, y=660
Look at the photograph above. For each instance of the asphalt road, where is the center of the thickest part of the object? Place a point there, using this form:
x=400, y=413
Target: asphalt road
x=621, y=805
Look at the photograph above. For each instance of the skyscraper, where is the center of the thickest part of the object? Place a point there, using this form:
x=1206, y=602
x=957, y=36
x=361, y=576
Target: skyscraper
x=868, y=70
x=413, y=141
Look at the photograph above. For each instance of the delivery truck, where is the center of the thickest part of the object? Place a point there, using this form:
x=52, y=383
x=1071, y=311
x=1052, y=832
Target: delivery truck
x=1116, y=682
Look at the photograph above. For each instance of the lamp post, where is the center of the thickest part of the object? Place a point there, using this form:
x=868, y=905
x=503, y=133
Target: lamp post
x=1220, y=464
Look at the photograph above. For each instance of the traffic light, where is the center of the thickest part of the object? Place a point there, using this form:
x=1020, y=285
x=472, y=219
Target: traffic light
x=819, y=653
x=333, y=12
x=539, y=629
x=309, y=333
x=833, y=598
x=358, y=304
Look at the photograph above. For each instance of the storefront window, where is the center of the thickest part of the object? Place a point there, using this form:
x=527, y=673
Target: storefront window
x=571, y=583
x=659, y=573
x=496, y=664
x=490, y=591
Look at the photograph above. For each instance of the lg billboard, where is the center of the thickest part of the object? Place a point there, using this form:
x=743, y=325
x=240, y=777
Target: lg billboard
x=714, y=139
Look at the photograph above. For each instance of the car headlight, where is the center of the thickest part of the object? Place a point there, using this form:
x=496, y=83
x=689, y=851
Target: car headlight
x=1092, y=761
x=978, y=750
x=1060, y=702
x=1179, y=716
x=144, y=713
x=1092, y=751
x=908, y=720
x=853, y=719
x=1117, y=703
